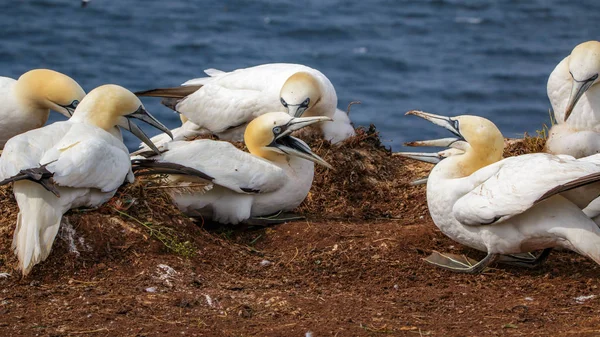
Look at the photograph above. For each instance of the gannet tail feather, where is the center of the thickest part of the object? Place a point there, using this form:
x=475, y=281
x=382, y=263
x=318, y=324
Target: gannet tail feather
x=177, y=92
x=37, y=224
x=40, y=175
x=151, y=167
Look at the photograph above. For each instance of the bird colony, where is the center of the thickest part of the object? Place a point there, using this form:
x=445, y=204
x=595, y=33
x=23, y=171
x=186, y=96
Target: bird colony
x=516, y=209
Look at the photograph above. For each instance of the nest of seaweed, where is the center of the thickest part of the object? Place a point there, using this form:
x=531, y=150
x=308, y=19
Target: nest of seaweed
x=367, y=183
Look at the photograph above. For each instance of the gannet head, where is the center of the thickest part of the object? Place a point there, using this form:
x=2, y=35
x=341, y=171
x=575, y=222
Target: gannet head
x=111, y=105
x=300, y=93
x=584, y=67
x=478, y=141
x=49, y=89
x=269, y=136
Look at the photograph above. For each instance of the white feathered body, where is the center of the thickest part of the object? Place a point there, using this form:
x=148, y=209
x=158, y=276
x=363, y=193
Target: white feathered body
x=244, y=185
x=15, y=117
x=494, y=209
x=88, y=163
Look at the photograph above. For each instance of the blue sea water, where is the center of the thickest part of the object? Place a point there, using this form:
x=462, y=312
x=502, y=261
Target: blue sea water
x=451, y=57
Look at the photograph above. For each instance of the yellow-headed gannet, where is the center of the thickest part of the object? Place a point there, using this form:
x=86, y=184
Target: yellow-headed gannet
x=25, y=103
x=275, y=176
x=79, y=162
x=225, y=102
x=508, y=206
x=575, y=100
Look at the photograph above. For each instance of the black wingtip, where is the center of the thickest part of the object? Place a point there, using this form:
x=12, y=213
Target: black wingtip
x=151, y=166
x=39, y=175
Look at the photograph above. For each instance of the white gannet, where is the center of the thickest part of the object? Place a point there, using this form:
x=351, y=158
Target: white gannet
x=575, y=101
x=225, y=102
x=275, y=176
x=508, y=206
x=26, y=103
x=78, y=162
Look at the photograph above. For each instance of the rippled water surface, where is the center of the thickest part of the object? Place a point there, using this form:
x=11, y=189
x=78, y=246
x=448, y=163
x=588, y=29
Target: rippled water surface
x=490, y=58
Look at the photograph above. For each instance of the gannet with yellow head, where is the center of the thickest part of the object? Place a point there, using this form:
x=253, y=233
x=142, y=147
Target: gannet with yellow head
x=575, y=100
x=231, y=185
x=26, y=103
x=78, y=162
x=508, y=206
x=225, y=102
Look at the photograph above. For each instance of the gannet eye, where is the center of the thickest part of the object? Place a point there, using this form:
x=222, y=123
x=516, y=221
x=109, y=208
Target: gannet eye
x=593, y=78
x=284, y=103
x=456, y=124
x=277, y=130
x=74, y=104
x=305, y=103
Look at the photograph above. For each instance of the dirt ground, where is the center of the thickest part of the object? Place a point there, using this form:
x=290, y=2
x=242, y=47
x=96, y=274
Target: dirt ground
x=136, y=267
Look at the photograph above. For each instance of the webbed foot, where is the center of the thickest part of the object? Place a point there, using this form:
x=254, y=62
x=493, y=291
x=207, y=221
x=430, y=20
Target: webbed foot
x=527, y=260
x=460, y=263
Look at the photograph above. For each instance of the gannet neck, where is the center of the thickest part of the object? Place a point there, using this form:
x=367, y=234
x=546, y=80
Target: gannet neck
x=105, y=106
x=301, y=94
x=44, y=90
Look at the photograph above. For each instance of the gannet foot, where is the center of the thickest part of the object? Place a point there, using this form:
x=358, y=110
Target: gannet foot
x=527, y=260
x=460, y=263
x=274, y=219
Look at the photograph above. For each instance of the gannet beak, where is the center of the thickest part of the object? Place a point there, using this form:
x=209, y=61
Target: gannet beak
x=577, y=90
x=444, y=142
x=146, y=117
x=296, y=110
x=295, y=147
x=427, y=157
x=443, y=121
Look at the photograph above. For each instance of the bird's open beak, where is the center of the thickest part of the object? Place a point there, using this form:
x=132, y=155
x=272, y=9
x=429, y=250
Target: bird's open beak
x=577, y=90
x=443, y=121
x=295, y=147
x=145, y=117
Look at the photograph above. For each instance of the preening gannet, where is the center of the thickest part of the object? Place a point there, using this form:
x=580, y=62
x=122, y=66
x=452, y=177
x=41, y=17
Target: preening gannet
x=275, y=176
x=508, y=206
x=575, y=99
x=79, y=162
x=225, y=102
x=26, y=103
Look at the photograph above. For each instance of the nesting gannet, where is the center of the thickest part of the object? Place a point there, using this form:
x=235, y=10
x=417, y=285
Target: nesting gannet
x=26, y=103
x=275, y=176
x=508, y=206
x=225, y=102
x=575, y=100
x=79, y=162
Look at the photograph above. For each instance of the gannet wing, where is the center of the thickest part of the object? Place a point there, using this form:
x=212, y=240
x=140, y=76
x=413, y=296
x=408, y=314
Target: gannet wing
x=88, y=160
x=25, y=151
x=520, y=182
x=230, y=167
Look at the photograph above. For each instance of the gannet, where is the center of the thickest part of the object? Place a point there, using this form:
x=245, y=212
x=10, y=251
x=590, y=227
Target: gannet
x=26, y=103
x=225, y=102
x=275, y=176
x=508, y=206
x=78, y=162
x=575, y=100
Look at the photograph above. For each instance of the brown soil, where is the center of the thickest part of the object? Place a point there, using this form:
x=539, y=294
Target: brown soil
x=136, y=267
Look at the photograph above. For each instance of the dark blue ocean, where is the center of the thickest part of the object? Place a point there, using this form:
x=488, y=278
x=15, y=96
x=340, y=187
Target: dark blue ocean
x=489, y=58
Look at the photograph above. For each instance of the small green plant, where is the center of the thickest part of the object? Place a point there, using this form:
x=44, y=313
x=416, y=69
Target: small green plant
x=166, y=235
